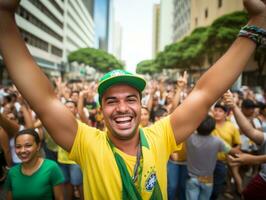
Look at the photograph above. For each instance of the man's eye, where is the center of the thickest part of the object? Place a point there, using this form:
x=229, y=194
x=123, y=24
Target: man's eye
x=132, y=100
x=110, y=102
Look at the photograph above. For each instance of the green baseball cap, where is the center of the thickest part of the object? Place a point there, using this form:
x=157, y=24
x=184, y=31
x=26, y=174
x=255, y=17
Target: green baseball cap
x=120, y=77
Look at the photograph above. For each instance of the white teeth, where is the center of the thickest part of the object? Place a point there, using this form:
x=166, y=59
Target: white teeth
x=123, y=119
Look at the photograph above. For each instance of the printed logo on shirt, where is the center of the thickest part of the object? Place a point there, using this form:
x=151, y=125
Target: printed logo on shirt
x=150, y=181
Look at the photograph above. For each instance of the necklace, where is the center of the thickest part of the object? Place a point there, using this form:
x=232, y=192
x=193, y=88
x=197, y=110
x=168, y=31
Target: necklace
x=137, y=164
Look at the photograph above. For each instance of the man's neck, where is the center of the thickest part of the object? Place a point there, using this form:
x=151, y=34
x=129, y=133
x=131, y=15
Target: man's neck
x=129, y=146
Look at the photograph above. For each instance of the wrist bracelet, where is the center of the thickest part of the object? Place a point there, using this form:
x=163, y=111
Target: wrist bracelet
x=257, y=35
x=254, y=29
x=252, y=36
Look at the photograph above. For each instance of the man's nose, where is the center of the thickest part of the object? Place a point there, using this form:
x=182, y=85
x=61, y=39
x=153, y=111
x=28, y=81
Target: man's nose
x=122, y=106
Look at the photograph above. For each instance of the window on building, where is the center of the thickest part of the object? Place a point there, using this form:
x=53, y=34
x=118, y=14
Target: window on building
x=47, y=12
x=56, y=51
x=206, y=13
x=33, y=40
x=220, y=3
x=57, y=6
x=196, y=21
x=31, y=18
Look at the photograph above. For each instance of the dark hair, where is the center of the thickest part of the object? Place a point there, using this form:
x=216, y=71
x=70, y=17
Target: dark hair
x=71, y=101
x=160, y=112
x=8, y=98
x=29, y=131
x=222, y=106
x=248, y=104
x=206, y=126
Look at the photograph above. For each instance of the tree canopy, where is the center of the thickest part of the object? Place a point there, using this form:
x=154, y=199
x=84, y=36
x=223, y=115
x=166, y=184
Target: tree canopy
x=96, y=58
x=202, y=43
x=147, y=67
x=223, y=31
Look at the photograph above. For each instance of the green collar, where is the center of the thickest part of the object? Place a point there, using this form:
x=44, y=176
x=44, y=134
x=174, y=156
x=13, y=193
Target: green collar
x=143, y=139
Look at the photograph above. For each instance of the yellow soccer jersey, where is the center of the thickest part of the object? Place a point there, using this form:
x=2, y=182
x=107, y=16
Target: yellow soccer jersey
x=101, y=177
x=229, y=134
x=182, y=153
x=62, y=157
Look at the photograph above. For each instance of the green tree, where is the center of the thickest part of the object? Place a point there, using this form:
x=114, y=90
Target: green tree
x=147, y=67
x=192, y=49
x=96, y=58
x=189, y=51
x=168, y=58
x=222, y=32
x=202, y=43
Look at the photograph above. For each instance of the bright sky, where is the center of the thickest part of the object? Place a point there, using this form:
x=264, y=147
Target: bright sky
x=135, y=17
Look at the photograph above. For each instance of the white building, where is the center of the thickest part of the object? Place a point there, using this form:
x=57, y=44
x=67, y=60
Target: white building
x=182, y=18
x=166, y=23
x=54, y=28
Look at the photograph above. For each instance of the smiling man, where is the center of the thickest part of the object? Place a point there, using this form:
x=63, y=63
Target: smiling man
x=125, y=162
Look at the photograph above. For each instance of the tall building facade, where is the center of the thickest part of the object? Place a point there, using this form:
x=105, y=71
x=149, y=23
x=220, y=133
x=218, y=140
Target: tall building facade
x=181, y=18
x=116, y=37
x=102, y=12
x=52, y=29
x=156, y=30
x=166, y=23
x=204, y=12
x=190, y=14
x=115, y=34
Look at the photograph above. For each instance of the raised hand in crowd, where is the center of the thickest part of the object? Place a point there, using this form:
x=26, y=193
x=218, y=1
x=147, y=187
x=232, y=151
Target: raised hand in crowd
x=252, y=133
x=82, y=96
x=151, y=95
x=181, y=86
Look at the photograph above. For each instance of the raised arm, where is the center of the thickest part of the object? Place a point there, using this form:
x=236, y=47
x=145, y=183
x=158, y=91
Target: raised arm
x=180, y=87
x=30, y=80
x=243, y=123
x=246, y=159
x=26, y=112
x=10, y=127
x=152, y=92
x=4, y=143
x=218, y=78
x=81, y=112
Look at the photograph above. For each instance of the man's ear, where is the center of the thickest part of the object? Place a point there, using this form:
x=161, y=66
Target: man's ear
x=100, y=108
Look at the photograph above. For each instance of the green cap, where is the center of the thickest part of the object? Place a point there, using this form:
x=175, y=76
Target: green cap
x=120, y=77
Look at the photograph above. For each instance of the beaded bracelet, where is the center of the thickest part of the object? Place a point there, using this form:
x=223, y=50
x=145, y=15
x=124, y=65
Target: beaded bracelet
x=258, y=35
x=254, y=29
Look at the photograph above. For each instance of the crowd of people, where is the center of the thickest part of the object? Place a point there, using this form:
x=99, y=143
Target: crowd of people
x=123, y=138
x=211, y=162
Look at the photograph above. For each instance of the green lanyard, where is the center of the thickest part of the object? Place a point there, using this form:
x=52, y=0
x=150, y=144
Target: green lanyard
x=129, y=189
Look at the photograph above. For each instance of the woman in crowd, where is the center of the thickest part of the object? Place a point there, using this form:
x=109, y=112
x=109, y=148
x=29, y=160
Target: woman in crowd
x=43, y=177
